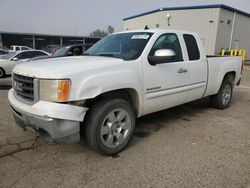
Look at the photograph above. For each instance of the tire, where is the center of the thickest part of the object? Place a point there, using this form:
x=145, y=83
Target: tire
x=223, y=98
x=2, y=73
x=109, y=125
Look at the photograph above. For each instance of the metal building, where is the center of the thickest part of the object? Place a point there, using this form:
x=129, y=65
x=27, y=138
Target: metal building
x=40, y=41
x=219, y=26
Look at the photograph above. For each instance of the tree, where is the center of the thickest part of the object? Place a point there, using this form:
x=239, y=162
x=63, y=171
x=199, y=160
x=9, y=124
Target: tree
x=110, y=29
x=98, y=33
x=102, y=33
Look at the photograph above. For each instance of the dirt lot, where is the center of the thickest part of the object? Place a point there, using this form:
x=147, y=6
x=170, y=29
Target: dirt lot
x=191, y=145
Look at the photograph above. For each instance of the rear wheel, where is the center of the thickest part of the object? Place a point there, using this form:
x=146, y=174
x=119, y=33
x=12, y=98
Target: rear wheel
x=109, y=125
x=2, y=73
x=223, y=98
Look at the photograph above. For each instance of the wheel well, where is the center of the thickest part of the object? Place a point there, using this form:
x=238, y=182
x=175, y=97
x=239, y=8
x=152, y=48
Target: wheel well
x=4, y=73
x=2, y=69
x=127, y=94
x=230, y=76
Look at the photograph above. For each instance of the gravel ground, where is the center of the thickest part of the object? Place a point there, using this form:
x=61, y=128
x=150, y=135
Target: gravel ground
x=191, y=145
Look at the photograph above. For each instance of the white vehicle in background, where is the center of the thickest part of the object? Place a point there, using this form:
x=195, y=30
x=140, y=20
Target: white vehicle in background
x=3, y=53
x=19, y=48
x=123, y=76
x=8, y=62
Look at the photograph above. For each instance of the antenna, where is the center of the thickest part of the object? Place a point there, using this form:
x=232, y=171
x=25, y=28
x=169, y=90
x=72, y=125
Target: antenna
x=75, y=28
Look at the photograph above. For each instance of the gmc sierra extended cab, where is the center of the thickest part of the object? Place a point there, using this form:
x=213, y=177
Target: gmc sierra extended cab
x=123, y=76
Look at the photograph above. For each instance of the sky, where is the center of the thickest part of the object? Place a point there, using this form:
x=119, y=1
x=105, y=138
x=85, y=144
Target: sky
x=80, y=17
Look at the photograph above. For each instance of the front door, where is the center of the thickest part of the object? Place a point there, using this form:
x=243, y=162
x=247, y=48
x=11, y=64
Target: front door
x=165, y=84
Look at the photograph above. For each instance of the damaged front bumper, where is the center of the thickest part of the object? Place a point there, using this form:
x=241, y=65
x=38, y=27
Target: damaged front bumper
x=55, y=122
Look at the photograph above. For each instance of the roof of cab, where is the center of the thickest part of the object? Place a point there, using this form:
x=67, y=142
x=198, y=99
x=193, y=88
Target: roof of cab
x=155, y=31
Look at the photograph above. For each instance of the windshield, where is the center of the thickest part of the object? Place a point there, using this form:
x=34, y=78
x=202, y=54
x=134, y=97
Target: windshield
x=9, y=55
x=127, y=46
x=61, y=52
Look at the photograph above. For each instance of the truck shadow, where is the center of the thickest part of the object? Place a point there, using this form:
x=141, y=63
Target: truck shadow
x=5, y=83
x=149, y=124
x=5, y=87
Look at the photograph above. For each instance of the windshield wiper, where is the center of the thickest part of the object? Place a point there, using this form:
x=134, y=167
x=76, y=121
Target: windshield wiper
x=106, y=55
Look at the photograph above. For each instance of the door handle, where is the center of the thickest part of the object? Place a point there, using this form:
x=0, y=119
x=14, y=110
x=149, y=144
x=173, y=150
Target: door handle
x=181, y=70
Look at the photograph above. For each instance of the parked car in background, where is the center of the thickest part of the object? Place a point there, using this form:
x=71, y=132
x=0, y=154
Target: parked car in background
x=3, y=53
x=51, y=48
x=19, y=48
x=71, y=50
x=8, y=62
x=123, y=76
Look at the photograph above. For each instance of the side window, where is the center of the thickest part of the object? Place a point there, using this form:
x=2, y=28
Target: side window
x=19, y=56
x=37, y=53
x=17, y=48
x=192, y=47
x=24, y=55
x=168, y=41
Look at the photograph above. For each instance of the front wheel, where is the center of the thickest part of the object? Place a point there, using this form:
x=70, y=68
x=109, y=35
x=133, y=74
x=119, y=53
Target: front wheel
x=109, y=125
x=223, y=98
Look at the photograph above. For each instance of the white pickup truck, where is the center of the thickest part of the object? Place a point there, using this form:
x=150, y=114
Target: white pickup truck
x=124, y=76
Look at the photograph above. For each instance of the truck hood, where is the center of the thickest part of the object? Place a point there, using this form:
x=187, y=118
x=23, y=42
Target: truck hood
x=61, y=67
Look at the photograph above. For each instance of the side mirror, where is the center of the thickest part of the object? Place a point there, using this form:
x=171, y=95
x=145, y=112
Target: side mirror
x=161, y=56
x=15, y=59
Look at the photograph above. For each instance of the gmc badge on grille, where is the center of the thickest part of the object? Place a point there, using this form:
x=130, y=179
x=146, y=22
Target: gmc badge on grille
x=18, y=86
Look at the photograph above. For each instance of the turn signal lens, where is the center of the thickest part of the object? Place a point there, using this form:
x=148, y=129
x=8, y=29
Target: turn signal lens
x=55, y=90
x=63, y=90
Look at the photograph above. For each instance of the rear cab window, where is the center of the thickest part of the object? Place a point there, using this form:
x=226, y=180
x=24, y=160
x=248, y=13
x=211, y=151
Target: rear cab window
x=192, y=47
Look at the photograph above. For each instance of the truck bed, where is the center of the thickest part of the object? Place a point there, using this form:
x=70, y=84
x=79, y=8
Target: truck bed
x=218, y=66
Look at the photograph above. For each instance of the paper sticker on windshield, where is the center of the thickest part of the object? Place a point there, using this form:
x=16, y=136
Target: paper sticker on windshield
x=140, y=37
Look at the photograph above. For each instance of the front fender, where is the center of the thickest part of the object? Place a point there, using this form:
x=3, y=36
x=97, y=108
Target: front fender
x=97, y=84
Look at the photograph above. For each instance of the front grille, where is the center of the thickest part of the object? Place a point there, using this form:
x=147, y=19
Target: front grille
x=24, y=86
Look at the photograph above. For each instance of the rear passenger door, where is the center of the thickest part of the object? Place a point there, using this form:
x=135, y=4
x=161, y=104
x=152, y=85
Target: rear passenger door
x=197, y=68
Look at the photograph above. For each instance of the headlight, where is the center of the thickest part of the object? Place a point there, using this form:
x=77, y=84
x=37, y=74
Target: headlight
x=55, y=90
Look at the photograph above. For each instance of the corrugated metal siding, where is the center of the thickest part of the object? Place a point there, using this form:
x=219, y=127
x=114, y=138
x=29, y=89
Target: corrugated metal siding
x=224, y=30
x=242, y=33
x=197, y=20
x=241, y=36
